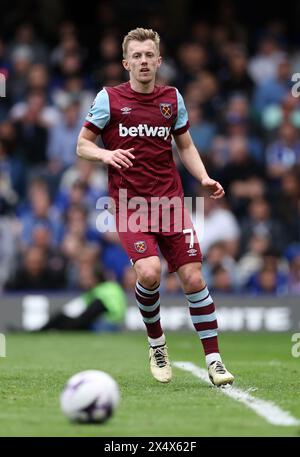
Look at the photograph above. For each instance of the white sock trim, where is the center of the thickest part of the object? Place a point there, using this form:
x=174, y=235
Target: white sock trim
x=157, y=341
x=139, y=287
x=213, y=357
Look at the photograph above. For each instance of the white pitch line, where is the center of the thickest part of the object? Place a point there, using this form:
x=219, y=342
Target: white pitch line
x=266, y=409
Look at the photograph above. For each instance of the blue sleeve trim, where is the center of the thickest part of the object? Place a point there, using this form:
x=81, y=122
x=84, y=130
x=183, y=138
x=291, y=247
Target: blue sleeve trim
x=99, y=114
x=182, y=115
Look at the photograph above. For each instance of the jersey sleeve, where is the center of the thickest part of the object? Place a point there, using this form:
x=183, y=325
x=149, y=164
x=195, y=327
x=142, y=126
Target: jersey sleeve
x=99, y=114
x=181, y=124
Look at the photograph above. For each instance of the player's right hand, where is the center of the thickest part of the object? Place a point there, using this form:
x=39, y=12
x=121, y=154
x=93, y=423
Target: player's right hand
x=119, y=158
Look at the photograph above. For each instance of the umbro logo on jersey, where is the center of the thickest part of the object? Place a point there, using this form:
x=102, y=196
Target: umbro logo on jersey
x=145, y=130
x=125, y=110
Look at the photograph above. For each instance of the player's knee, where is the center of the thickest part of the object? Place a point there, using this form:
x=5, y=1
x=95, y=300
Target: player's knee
x=149, y=278
x=196, y=282
x=148, y=273
x=192, y=279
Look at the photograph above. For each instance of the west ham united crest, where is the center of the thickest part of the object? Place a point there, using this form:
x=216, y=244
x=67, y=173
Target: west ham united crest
x=140, y=246
x=166, y=110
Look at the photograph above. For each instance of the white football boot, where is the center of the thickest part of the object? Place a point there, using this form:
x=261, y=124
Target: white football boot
x=159, y=363
x=219, y=375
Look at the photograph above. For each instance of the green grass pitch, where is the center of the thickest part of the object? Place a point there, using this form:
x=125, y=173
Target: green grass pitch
x=37, y=366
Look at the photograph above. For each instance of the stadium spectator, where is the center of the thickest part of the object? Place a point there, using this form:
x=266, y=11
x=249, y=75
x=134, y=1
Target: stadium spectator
x=108, y=49
x=236, y=79
x=217, y=256
x=260, y=221
x=74, y=88
x=236, y=127
x=76, y=250
x=26, y=35
x=272, y=91
x=39, y=210
x=8, y=248
x=252, y=260
x=11, y=178
x=238, y=124
x=80, y=243
x=288, y=111
x=221, y=280
x=287, y=205
x=294, y=276
x=171, y=284
x=242, y=176
x=204, y=89
x=13, y=155
x=55, y=261
x=76, y=223
x=61, y=144
x=68, y=45
x=267, y=281
x=284, y=152
x=38, y=78
x=264, y=64
x=293, y=257
x=94, y=177
x=192, y=58
x=106, y=16
x=167, y=72
x=32, y=130
x=36, y=101
x=219, y=224
x=101, y=307
x=20, y=59
x=202, y=130
x=70, y=66
x=78, y=194
x=33, y=273
x=114, y=257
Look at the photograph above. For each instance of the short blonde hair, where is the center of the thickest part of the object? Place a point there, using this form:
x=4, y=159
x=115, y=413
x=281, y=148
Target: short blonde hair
x=140, y=34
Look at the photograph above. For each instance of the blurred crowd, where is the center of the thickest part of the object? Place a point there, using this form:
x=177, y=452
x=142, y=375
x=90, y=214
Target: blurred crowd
x=244, y=120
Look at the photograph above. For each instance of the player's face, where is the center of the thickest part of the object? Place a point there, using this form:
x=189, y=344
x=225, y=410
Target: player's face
x=142, y=61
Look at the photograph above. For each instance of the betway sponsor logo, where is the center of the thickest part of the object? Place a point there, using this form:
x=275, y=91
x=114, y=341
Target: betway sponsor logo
x=144, y=130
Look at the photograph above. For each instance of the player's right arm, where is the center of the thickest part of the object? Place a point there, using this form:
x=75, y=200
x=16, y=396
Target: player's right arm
x=96, y=121
x=87, y=149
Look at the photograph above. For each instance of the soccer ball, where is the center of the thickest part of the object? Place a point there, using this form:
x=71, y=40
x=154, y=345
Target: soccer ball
x=90, y=397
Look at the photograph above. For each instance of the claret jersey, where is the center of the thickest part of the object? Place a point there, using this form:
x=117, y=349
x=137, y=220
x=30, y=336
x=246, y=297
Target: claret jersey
x=125, y=118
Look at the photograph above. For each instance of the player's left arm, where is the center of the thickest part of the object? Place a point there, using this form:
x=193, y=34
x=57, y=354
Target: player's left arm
x=192, y=161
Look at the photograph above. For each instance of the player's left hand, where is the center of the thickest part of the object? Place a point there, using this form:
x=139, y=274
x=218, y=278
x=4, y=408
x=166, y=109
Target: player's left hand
x=214, y=187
